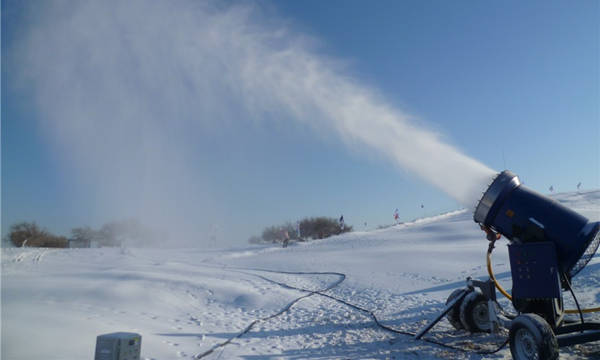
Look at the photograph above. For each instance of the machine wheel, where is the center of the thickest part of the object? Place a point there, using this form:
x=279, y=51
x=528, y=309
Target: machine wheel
x=474, y=314
x=531, y=337
x=453, y=315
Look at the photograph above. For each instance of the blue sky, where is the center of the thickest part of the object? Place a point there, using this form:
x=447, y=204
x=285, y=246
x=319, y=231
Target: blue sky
x=511, y=84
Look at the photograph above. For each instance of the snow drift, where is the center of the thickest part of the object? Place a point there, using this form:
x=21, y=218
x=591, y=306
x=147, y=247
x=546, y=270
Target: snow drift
x=184, y=302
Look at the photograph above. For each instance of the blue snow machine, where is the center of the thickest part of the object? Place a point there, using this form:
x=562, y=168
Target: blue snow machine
x=549, y=244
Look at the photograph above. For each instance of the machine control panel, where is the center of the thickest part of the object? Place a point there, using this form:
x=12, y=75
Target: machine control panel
x=534, y=270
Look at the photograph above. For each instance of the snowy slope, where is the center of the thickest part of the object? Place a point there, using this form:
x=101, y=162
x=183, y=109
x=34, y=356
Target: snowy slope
x=184, y=302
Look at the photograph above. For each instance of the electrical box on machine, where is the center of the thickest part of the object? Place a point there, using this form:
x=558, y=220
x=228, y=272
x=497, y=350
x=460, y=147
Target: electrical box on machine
x=534, y=270
x=118, y=346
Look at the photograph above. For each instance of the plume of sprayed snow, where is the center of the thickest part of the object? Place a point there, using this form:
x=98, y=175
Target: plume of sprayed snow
x=125, y=88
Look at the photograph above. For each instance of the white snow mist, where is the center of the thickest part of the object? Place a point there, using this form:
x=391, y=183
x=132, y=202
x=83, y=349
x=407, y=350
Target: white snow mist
x=125, y=88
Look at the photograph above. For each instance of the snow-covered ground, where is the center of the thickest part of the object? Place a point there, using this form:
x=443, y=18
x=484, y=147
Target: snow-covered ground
x=184, y=302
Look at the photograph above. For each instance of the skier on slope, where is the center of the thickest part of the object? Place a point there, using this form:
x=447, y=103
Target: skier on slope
x=342, y=223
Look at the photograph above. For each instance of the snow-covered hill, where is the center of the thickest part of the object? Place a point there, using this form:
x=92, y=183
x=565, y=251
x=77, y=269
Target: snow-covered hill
x=184, y=302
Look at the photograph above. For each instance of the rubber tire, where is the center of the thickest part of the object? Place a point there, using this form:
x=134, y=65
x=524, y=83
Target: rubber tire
x=453, y=315
x=541, y=332
x=467, y=312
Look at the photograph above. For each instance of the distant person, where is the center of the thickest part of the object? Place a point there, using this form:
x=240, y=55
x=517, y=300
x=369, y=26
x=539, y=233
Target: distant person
x=286, y=238
x=342, y=223
x=396, y=216
x=298, y=229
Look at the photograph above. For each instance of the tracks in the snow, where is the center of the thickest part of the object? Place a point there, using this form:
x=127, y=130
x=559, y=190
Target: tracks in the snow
x=341, y=278
x=36, y=256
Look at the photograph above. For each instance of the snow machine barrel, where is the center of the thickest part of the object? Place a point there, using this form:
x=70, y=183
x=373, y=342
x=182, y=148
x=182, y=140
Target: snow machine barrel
x=524, y=216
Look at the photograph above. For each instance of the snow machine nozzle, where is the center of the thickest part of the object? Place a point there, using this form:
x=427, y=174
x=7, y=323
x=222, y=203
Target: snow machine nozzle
x=525, y=216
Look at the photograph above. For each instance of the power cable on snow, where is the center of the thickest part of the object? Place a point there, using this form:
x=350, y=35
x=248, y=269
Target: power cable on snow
x=342, y=277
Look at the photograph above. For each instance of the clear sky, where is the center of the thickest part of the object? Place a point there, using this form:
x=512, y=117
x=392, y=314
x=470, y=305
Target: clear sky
x=512, y=84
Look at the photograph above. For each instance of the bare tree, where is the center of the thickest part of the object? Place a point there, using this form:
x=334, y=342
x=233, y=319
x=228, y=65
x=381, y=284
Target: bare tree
x=29, y=234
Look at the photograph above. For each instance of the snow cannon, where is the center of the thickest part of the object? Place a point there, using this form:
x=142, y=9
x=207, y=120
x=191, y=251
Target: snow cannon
x=525, y=217
x=548, y=245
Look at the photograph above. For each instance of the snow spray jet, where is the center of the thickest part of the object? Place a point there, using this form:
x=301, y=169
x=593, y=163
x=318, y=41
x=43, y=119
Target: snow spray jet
x=126, y=89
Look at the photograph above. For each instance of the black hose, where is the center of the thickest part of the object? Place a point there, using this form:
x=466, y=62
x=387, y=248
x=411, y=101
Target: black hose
x=568, y=283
